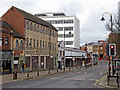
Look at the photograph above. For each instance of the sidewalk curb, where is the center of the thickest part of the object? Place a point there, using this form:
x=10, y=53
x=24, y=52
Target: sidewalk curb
x=99, y=83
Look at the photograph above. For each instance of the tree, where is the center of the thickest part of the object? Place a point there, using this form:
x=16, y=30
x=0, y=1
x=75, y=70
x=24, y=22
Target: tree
x=115, y=32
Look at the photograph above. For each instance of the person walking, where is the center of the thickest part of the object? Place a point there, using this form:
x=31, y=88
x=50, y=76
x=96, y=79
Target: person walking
x=23, y=68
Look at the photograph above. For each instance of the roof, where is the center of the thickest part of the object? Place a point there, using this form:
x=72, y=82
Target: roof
x=51, y=14
x=6, y=25
x=35, y=19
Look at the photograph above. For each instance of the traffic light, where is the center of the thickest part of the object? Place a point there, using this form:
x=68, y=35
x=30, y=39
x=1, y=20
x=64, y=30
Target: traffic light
x=112, y=49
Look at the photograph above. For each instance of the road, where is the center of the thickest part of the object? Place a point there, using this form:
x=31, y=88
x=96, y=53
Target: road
x=84, y=78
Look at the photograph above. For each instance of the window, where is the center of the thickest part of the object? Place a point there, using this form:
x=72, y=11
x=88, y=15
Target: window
x=61, y=35
x=21, y=44
x=34, y=43
x=31, y=26
x=46, y=44
x=34, y=27
x=68, y=28
x=60, y=28
x=37, y=43
x=69, y=43
x=6, y=41
x=27, y=42
x=43, y=44
x=41, y=29
x=30, y=42
x=17, y=43
x=40, y=44
x=2, y=40
x=27, y=25
x=38, y=28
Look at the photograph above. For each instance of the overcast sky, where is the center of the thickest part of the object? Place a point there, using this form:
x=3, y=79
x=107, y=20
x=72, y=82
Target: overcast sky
x=89, y=12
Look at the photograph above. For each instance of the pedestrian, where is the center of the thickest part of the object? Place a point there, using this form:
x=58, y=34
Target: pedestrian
x=23, y=68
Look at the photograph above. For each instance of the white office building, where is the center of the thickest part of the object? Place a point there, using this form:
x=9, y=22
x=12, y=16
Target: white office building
x=67, y=26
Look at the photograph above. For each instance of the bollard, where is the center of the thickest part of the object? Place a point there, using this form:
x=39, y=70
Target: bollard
x=57, y=70
x=108, y=78
x=38, y=73
x=28, y=74
x=49, y=71
x=117, y=80
x=14, y=75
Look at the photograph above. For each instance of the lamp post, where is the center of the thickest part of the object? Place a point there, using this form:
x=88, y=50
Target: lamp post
x=64, y=51
x=103, y=19
x=49, y=49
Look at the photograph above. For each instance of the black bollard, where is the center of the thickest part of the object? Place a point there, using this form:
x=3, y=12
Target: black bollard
x=57, y=70
x=38, y=73
x=117, y=80
x=28, y=74
x=14, y=75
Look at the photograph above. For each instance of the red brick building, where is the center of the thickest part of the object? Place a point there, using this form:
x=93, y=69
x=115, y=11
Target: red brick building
x=8, y=36
x=40, y=40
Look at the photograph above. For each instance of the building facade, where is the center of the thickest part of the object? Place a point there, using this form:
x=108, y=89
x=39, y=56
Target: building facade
x=97, y=49
x=40, y=46
x=11, y=44
x=68, y=27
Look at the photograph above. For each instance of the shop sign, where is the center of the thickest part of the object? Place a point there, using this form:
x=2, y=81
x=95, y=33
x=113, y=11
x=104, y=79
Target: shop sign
x=16, y=62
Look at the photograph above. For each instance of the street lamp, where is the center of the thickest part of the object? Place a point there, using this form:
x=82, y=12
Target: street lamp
x=103, y=19
x=49, y=50
x=64, y=51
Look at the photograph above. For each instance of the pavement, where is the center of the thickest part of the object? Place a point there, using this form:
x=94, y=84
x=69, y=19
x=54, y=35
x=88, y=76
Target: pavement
x=102, y=82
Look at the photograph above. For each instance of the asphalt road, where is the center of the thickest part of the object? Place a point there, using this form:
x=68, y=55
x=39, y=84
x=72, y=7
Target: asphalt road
x=84, y=78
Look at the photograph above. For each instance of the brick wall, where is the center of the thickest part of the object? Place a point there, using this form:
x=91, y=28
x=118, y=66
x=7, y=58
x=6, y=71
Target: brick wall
x=15, y=19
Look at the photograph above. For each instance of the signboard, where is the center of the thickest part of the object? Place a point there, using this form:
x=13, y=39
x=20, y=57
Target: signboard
x=16, y=62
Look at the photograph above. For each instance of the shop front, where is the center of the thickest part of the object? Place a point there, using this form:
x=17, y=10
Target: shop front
x=5, y=62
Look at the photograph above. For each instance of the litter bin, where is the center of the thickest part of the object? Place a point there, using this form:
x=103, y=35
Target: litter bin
x=14, y=75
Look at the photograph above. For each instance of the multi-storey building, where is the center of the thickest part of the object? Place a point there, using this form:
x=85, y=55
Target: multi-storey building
x=97, y=49
x=67, y=26
x=40, y=50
